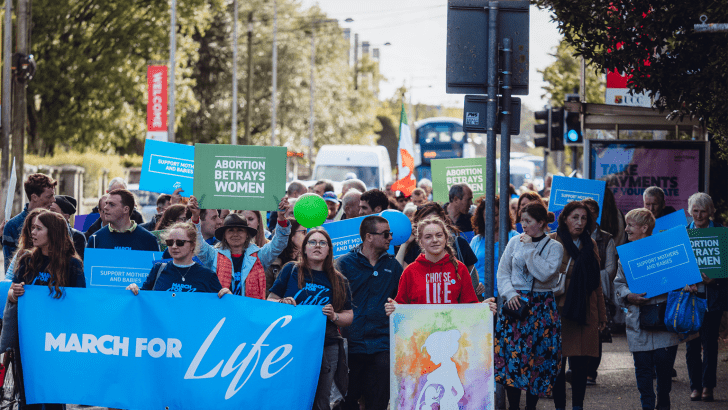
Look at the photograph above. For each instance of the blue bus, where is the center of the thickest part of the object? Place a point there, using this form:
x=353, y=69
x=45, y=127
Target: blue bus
x=440, y=138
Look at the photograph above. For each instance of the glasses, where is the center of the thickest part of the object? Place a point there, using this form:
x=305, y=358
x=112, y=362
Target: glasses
x=179, y=242
x=321, y=244
x=386, y=234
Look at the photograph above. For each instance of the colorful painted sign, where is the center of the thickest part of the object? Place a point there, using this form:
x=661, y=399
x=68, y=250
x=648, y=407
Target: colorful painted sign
x=448, y=172
x=109, y=348
x=167, y=166
x=660, y=263
x=157, y=102
x=710, y=246
x=117, y=268
x=243, y=177
x=441, y=357
x=565, y=190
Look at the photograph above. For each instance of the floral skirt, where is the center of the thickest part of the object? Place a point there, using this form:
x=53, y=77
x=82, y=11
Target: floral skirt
x=528, y=352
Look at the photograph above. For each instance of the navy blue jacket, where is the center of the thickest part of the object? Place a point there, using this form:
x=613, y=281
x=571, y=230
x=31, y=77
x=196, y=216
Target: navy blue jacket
x=11, y=235
x=370, y=288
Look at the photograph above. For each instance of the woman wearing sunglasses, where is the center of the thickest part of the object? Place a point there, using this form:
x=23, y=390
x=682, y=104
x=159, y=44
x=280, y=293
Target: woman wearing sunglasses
x=314, y=280
x=182, y=274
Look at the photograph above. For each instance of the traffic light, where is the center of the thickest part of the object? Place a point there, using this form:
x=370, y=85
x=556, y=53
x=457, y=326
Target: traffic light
x=557, y=129
x=572, y=123
x=554, y=121
x=541, y=129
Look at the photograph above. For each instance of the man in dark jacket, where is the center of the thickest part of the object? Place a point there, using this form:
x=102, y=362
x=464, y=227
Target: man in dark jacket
x=373, y=276
x=66, y=206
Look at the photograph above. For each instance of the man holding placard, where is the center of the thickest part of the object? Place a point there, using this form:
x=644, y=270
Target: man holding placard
x=654, y=201
x=373, y=276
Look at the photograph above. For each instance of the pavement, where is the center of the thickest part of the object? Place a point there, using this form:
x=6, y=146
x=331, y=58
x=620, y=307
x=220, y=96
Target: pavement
x=617, y=387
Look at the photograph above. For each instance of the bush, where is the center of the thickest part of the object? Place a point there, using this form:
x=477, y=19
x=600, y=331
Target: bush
x=93, y=163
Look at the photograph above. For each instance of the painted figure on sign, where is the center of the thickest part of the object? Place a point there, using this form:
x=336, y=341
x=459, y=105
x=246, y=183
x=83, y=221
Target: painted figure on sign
x=441, y=347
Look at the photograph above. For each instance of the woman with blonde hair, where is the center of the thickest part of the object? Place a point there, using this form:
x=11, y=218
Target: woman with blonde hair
x=653, y=351
x=182, y=274
x=436, y=276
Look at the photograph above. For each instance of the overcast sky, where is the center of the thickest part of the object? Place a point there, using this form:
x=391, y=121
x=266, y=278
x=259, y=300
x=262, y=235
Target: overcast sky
x=417, y=31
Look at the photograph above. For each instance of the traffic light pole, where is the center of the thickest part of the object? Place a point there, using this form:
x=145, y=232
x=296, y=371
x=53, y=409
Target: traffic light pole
x=547, y=151
x=492, y=108
x=505, y=166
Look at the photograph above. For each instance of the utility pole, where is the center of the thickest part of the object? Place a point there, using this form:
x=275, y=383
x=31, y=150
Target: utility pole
x=20, y=102
x=172, y=49
x=273, y=106
x=234, y=136
x=249, y=91
x=311, y=94
x=7, y=93
x=356, y=61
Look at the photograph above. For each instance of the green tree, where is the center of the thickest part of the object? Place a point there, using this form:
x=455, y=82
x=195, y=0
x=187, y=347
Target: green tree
x=90, y=87
x=563, y=77
x=655, y=42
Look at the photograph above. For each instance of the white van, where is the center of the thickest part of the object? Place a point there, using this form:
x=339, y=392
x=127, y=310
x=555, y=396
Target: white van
x=371, y=164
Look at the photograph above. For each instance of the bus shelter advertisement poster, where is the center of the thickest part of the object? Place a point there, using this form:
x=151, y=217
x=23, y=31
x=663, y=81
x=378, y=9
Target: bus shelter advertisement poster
x=629, y=169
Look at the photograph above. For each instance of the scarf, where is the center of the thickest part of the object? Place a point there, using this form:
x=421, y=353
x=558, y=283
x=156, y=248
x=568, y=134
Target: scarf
x=585, y=277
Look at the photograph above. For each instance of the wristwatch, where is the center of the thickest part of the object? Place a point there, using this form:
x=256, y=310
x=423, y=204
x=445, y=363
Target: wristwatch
x=335, y=319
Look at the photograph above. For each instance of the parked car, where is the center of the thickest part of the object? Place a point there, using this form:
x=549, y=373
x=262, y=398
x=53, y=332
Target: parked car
x=146, y=201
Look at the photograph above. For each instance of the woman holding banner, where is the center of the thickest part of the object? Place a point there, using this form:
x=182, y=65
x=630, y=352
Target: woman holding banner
x=423, y=281
x=581, y=308
x=183, y=274
x=239, y=263
x=314, y=280
x=528, y=346
x=702, y=371
x=653, y=351
x=25, y=241
x=52, y=262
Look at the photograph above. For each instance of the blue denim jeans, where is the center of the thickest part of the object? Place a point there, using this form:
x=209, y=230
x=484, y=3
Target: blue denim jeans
x=702, y=370
x=649, y=363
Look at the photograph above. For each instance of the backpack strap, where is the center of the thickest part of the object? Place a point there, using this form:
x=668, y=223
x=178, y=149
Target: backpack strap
x=159, y=272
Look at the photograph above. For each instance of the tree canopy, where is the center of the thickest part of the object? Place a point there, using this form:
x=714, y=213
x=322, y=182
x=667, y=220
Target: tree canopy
x=90, y=89
x=655, y=41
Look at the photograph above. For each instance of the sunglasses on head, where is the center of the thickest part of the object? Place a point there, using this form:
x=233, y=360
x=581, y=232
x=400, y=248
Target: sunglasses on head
x=179, y=242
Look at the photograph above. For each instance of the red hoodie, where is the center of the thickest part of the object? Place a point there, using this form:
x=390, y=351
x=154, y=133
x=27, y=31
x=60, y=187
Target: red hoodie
x=425, y=282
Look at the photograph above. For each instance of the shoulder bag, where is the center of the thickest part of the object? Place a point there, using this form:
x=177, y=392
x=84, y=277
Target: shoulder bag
x=560, y=288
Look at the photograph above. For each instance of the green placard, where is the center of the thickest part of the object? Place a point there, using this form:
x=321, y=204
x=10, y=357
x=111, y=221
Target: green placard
x=710, y=246
x=448, y=172
x=239, y=176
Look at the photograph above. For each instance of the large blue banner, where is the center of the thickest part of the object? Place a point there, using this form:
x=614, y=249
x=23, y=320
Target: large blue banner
x=167, y=166
x=565, y=190
x=117, y=267
x=660, y=263
x=168, y=350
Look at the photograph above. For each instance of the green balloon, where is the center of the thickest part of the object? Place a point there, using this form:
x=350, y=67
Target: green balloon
x=310, y=210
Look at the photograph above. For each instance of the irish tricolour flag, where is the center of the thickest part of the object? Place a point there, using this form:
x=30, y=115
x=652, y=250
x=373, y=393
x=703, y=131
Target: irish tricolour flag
x=405, y=158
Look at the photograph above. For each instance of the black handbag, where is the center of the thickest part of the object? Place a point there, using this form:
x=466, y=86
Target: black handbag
x=652, y=317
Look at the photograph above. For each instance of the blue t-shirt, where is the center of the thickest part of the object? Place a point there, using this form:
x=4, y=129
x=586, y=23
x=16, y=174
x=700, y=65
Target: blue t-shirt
x=74, y=275
x=193, y=278
x=316, y=291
